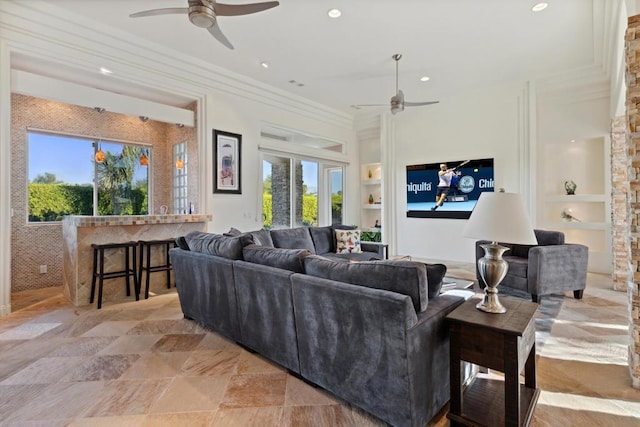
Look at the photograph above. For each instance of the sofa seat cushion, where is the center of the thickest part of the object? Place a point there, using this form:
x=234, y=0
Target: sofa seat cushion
x=404, y=277
x=286, y=259
x=517, y=266
x=293, y=238
x=215, y=244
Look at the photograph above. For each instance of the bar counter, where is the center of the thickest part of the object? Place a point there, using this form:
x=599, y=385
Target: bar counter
x=80, y=232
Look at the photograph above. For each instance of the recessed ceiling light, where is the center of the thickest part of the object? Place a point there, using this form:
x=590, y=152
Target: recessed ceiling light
x=539, y=6
x=334, y=13
x=264, y=64
x=425, y=78
x=105, y=71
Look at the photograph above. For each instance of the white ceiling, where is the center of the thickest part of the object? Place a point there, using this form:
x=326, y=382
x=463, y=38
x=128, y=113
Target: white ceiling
x=459, y=44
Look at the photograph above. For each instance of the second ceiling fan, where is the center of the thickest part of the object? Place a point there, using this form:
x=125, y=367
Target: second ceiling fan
x=397, y=101
x=203, y=13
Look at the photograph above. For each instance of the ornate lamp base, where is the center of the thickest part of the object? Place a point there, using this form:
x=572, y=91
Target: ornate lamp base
x=492, y=270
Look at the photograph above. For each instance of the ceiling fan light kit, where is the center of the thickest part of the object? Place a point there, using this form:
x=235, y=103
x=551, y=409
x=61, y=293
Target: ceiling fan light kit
x=397, y=101
x=204, y=13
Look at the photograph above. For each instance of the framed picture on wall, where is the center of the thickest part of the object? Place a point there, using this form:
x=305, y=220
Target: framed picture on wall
x=227, y=156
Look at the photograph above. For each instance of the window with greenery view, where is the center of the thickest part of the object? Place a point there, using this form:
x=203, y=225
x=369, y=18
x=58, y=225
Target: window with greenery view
x=335, y=190
x=62, y=172
x=291, y=192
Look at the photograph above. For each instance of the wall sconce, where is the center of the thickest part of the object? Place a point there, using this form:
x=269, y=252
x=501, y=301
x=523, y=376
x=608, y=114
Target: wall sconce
x=179, y=125
x=99, y=109
x=144, y=119
x=179, y=163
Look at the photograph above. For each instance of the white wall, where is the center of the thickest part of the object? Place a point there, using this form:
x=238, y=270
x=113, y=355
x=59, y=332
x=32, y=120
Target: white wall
x=482, y=124
x=238, y=115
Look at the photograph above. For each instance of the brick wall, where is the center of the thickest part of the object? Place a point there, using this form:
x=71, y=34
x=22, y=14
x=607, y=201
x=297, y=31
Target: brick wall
x=37, y=244
x=632, y=45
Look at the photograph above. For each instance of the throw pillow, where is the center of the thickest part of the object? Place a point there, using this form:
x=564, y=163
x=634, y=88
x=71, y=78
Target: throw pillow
x=287, y=259
x=215, y=244
x=435, y=274
x=233, y=232
x=262, y=237
x=182, y=243
x=348, y=241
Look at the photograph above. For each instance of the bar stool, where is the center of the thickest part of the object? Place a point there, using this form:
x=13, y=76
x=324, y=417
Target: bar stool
x=98, y=269
x=145, y=246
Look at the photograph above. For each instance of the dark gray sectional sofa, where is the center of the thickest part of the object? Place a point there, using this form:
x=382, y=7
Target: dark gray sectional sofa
x=371, y=332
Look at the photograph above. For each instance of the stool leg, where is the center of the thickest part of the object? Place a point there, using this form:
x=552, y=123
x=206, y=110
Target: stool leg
x=127, y=270
x=134, y=271
x=93, y=277
x=140, y=266
x=146, y=289
x=167, y=266
x=101, y=278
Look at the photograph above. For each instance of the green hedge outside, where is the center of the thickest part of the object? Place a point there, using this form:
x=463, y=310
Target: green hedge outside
x=51, y=202
x=309, y=210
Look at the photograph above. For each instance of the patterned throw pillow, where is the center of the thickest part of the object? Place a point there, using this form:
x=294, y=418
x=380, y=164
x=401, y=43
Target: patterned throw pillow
x=348, y=241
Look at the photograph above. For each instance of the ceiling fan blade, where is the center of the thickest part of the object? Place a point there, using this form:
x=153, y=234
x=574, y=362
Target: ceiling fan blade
x=417, y=104
x=154, y=12
x=217, y=33
x=371, y=105
x=242, y=9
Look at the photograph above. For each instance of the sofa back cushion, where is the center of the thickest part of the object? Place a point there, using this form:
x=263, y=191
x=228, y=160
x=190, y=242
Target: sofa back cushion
x=404, y=277
x=215, y=244
x=323, y=239
x=287, y=259
x=293, y=238
x=549, y=237
x=544, y=238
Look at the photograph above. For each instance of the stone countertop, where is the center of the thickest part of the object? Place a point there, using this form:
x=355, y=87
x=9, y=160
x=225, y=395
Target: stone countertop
x=103, y=221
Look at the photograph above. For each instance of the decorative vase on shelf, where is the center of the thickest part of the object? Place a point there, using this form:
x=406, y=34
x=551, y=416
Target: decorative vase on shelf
x=370, y=174
x=370, y=199
x=570, y=187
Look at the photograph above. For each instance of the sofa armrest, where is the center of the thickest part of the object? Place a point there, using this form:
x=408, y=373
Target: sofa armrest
x=557, y=268
x=380, y=249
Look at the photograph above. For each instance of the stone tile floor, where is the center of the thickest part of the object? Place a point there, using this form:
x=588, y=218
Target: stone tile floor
x=141, y=363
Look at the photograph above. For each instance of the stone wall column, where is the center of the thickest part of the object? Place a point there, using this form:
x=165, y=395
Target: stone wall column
x=620, y=205
x=299, y=188
x=280, y=193
x=632, y=50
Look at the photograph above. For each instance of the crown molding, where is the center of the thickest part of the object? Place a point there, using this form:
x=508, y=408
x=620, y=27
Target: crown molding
x=43, y=32
x=605, y=38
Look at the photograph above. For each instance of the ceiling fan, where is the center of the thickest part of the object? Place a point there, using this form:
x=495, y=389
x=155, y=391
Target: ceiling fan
x=397, y=101
x=204, y=13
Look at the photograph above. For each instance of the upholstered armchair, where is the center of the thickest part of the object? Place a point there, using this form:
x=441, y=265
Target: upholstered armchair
x=549, y=267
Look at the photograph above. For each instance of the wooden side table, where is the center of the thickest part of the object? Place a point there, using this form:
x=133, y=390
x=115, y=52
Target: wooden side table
x=503, y=342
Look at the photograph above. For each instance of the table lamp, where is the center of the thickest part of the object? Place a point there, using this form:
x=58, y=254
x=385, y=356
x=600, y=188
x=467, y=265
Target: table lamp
x=497, y=217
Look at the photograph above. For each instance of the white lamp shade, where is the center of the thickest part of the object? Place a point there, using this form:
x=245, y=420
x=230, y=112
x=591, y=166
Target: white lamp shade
x=500, y=217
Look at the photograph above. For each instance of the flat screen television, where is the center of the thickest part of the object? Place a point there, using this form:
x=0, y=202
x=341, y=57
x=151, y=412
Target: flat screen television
x=470, y=179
